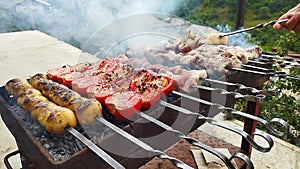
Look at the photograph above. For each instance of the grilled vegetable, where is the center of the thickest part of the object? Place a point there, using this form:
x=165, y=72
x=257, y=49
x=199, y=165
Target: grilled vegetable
x=123, y=105
x=100, y=92
x=106, y=79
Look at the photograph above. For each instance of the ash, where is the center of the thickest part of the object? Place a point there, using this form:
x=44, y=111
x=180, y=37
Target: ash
x=63, y=146
x=59, y=146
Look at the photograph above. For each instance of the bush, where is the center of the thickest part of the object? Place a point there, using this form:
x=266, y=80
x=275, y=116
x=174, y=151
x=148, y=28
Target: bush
x=285, y=106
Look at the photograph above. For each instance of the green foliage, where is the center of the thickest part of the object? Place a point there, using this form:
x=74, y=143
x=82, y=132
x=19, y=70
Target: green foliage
x=288, y=42
x=223, y=12
x=286, y=105
x=264, y=13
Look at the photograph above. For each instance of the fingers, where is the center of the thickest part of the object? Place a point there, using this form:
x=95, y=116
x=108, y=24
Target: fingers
x=293, y=23
x=297, y=28
x=294, y=19
x=278, y=26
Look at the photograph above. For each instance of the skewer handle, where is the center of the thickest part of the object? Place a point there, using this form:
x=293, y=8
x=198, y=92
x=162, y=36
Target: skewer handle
x=196, y=143
x=262, y=25
x=267, y=124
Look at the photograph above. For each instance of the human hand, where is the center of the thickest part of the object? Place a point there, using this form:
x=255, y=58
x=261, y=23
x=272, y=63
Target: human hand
x=294, y=20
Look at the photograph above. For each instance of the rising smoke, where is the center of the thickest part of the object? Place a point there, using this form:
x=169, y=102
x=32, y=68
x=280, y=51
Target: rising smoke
x=74, y=21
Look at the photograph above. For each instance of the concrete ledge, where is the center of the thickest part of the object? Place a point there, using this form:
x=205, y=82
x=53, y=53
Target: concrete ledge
x=283, y=155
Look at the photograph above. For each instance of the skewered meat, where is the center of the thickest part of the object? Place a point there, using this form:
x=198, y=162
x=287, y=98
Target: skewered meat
x=86, y=109
x=189, y=43
x=204, y=56
x=38, y=81
x=54, y=118
x=215, y=39
x=29, y=98
x=184, y=78
x=17, y=86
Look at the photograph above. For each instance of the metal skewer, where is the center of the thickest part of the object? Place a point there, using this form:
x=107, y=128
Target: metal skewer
x=102, y=154
x=233, y=111
x=235, y=130
x=251, y=90
x=143, y=145
x=262, y=25
x=274, y=73
x=200, y=145
x=258, y=98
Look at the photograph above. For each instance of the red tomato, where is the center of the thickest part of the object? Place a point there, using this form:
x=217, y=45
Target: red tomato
x=142, y=76
x=100, y=92
x=67, y=79
x=123, y=105
x=62, y=72
x=81, y=84
x=145, y=78
x=163, y=83
x=81, y=67
x=106, y=65
x=149, y=95
x=54, y=73
x=149, y=98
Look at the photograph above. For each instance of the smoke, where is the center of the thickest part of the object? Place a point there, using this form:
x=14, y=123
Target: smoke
x=240, y=39
x=74, y=21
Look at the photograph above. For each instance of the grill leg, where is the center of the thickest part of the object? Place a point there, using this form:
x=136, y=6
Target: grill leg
x=6, y=161
x=250, y=126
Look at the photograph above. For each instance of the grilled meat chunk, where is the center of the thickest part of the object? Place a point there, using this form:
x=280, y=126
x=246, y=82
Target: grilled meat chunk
x=28, y=102
x=38, y=81
x=85, y=109
x=17, y=86
x=54, y=118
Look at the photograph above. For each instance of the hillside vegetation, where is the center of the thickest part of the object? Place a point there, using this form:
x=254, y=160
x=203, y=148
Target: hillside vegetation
x=223, y=12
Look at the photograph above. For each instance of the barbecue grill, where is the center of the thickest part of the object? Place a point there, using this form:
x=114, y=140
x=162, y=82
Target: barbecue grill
x=38, y=148
x=168, y=119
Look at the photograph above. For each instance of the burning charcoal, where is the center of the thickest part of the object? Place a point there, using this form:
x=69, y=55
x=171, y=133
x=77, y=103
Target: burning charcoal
x=172, y=98
x=47, y=146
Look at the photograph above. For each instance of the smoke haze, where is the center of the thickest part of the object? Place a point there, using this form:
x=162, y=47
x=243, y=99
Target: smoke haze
x=74, y=21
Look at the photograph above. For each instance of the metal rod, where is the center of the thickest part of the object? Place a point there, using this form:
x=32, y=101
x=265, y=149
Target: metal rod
x=102, y=154
x=275, y=73
x=281, y=61
x=262, y=25
x=235, y=130
x=251, y=90
x=143, y=145
x=6, y=161
x=198, y=144
x=236, y=95
x=233, y=111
